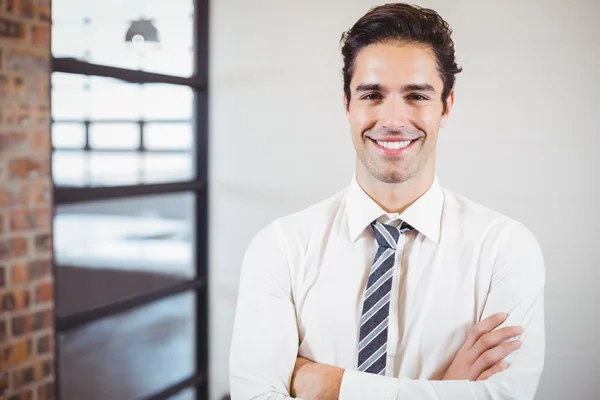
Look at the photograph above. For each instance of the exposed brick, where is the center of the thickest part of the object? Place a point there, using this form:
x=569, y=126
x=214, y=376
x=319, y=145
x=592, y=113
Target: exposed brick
x=41, y=191
x=19, y=220
x=39, y=269
x=22, y=377
x=23, y=167
x=46, y=392
x=4, y=86
x=26, y=219
x=19, y=86
x=3, y=383
x=13, y=194
x=40, y=142
x=43, y=10
x=42, y=320
x=3, y=330
x=26, y=282
x=40, y=35
x=44, y=369
x=17, y=116
x=44, y=292
x=25, y=61
x=27, y=394
x=15, y=301
x=17, y=353
x=19, y=273
x=27, y=8
x=12, y=29
x=41, y=114
x=15, y=247
x=43, y=242
x=45, y=344
x=21, y=325
x=12, y=8
x=39, y=371
x=12, y=141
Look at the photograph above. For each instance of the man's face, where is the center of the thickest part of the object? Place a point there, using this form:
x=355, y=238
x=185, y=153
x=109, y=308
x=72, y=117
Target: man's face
x=396, y=110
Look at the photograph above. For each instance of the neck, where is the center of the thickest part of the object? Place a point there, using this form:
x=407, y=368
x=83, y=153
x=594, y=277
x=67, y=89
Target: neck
x=395, y=197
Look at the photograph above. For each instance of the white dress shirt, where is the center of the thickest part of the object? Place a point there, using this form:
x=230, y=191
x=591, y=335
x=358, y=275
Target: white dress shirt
x=302, y=286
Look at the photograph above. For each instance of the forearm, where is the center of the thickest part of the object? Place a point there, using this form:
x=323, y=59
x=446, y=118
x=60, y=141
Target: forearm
x=360, y=385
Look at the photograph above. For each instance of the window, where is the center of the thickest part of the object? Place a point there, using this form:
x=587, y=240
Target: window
x=129, y=137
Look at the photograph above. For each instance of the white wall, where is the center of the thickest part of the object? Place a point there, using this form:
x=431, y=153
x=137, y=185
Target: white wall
x=522, y=140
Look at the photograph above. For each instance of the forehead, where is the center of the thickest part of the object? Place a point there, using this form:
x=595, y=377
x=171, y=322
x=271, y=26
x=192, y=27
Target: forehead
x=396, y=64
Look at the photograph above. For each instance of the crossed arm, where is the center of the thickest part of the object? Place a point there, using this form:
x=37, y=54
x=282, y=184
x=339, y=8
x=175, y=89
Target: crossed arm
x=481, y=356
x=264, y=362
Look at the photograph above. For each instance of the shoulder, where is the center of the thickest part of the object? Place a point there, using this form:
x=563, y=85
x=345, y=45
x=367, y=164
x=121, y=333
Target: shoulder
x=476, y=217
x=504, y=235
x=303, y=224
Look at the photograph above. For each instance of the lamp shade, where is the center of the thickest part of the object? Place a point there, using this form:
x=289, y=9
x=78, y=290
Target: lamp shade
x=144, y=28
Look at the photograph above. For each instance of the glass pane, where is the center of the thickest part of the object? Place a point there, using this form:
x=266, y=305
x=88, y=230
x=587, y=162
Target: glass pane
x=131, y=355
x=168, y=136
x=96, y=32
x=110, y=250
x=114, y=136
x=119, y=168
x=80, y=98
x=167, y=167
x=114, y=109
x=68, y=136
x=70, y=168
x=161, y=101
x=187, y=394
x=70, y=96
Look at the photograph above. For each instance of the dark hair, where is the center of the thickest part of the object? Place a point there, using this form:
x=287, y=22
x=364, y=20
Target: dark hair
x=402, y=22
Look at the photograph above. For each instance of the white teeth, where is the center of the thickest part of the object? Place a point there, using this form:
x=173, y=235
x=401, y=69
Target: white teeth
x=394, y=145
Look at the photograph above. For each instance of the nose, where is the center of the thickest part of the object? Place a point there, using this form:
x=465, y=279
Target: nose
x=394, y=113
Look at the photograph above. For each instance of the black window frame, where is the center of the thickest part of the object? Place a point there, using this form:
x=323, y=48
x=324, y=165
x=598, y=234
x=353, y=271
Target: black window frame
x=199, y=186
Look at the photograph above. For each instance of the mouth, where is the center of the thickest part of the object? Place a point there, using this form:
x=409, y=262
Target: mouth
x=394, y=147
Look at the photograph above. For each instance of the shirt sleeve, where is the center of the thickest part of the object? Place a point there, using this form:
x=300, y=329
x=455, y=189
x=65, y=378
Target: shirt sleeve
x=517, y=287
x=265, y=335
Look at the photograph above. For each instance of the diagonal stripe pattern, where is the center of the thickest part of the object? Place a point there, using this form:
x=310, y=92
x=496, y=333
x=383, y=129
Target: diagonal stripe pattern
x=372, y=348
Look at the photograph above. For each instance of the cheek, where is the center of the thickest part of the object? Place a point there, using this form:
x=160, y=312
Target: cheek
x=428, y=120
x=362, y=118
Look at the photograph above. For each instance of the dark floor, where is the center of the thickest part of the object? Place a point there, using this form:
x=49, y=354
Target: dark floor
x=131, y=355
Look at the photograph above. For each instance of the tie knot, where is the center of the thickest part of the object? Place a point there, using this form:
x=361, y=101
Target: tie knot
x=388, y=235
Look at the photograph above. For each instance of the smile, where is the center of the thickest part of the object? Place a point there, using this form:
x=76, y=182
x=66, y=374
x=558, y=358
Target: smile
x=394, y=147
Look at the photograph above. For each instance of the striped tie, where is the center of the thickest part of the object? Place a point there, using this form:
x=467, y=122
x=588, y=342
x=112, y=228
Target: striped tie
x=372, y=348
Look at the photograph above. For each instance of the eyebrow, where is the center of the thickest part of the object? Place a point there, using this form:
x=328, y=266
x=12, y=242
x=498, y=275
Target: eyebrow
x=367, y=87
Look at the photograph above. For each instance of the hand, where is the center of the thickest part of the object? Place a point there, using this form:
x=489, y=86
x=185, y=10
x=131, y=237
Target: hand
x=313, y=381
x=483, y=353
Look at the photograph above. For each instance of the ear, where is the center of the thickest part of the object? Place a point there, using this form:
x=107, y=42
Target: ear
x=346, y=105
x=449, y=105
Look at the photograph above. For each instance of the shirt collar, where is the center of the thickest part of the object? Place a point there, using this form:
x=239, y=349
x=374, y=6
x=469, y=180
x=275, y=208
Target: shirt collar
x=425, y=214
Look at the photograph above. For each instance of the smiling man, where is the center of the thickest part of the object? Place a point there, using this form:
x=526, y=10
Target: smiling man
x=394, y=288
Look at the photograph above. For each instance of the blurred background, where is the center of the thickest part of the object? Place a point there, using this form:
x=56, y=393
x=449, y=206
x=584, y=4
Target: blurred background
x=143, y=143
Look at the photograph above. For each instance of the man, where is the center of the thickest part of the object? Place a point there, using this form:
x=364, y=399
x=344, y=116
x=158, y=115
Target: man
x=394, y=288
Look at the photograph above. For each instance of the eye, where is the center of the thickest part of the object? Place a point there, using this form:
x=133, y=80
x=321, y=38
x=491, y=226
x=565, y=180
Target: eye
x=371, y=96
x=417, y=97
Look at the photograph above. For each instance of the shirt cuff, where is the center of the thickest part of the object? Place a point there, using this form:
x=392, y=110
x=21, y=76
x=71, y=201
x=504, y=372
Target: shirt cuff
x=361, y=385
x=456, y=390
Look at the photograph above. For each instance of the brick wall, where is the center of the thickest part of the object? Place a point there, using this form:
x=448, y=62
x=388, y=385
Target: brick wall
x=26, y=287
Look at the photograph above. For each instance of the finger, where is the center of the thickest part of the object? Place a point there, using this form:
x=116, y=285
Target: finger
x=494, y=338
x=498, y=367
x=483, y=327
x=492, y=356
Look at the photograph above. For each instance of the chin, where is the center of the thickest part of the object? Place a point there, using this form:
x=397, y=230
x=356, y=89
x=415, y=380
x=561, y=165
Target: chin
x=392, y=176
